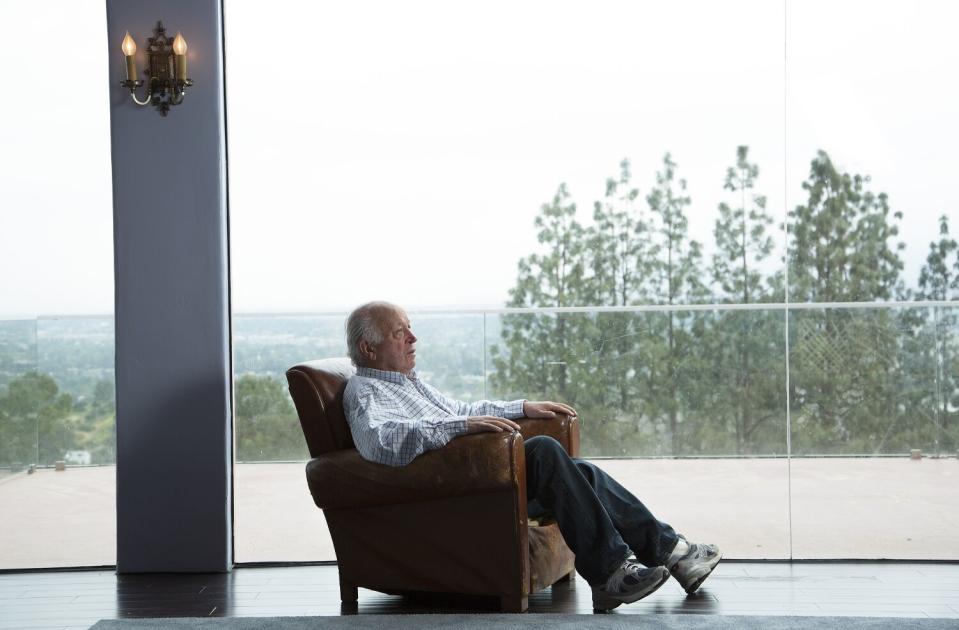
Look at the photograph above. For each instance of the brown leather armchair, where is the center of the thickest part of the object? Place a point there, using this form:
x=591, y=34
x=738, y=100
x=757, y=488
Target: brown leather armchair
x=452, y=521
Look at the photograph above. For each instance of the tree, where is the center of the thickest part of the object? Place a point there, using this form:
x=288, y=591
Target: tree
x=745, y=347
x=741, y=239
x=677, y=279
x=98, y=425
x=540, y=345
x=35, y=420
x=844, y=361
x=621, y=254
x=267, y=427
x=939, y=281
x=622, y=259
x=840, y=248
x=936, y=278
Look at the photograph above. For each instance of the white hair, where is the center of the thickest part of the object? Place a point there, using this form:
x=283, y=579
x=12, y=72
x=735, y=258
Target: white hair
x=365, y=323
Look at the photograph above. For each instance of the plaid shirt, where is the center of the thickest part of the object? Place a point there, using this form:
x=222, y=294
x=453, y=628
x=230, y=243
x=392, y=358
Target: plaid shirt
x=394, y=418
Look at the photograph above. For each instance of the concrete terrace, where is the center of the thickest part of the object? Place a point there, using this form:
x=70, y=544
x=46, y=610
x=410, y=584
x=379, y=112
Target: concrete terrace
x=842, y=508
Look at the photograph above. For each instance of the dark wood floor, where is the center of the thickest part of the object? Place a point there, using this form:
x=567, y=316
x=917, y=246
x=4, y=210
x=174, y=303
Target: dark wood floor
x=78, y=599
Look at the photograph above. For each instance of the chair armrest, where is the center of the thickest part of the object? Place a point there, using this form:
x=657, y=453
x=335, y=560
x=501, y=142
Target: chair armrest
x=468, y=465
x=564, y=428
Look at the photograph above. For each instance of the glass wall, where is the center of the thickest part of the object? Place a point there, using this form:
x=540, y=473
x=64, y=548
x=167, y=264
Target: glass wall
x=686, y=408
x=57, y=442
x=665, y=215
x=869, y=126
x=57, y=478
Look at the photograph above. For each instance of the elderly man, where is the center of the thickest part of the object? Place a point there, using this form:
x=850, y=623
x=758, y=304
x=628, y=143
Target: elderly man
x=394, y=417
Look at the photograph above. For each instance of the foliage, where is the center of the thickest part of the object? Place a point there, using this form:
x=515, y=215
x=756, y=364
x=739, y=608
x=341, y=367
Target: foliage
x=35, y=420
x=266, y=423
x=685, y=382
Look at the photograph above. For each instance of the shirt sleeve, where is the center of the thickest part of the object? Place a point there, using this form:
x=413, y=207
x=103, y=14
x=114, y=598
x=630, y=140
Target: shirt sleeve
x=510, y=410
x=382, y=433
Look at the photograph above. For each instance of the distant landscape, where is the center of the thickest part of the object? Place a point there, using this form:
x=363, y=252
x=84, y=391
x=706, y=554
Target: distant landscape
x=679, y=383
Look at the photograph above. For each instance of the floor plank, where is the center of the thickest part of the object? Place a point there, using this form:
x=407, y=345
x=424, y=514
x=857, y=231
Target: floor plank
x=76, y=599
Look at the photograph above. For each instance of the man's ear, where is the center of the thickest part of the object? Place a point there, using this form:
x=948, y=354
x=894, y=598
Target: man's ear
x=367, y=350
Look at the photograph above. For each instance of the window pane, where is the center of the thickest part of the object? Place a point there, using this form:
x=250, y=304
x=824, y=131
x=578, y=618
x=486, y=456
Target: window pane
x=57, y=414
x=429, y=135
x=686, y=408
x=871, y=128
x=874, y=433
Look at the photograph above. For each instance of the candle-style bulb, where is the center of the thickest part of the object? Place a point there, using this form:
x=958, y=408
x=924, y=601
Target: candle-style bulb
x=129, y=46
x=179, y=45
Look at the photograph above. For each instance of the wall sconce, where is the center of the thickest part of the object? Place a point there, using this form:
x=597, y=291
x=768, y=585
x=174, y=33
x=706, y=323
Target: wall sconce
x=167, y=72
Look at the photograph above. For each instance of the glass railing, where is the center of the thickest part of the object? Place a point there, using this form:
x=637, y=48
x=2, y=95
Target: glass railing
x=57, y=442
x=652, y=382
x=57, y=400
x=791, y=433
x=874, y=429
x=699, y=409
x=678, y=383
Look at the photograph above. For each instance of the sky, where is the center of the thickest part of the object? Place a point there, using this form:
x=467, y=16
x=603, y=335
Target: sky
x=403, y=150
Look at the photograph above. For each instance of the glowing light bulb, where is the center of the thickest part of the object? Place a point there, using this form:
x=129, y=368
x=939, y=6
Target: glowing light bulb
x=179, y=45
x=130, y=49
x=129, y=46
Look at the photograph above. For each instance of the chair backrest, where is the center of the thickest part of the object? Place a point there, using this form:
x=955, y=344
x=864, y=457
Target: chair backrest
x=317, y=391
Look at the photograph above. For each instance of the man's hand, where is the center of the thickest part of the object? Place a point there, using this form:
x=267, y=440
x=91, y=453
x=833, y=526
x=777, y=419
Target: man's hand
x=481, y=424
x=546, y=409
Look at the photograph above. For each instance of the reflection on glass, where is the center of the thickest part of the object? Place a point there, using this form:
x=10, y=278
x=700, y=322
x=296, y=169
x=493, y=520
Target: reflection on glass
x=703, y=389
x=864, y=381
x=682, y=383
x=874, y=437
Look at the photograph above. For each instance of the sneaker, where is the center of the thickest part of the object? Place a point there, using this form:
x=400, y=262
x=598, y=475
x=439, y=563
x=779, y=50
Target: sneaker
x=629, y=583
x=692, y=568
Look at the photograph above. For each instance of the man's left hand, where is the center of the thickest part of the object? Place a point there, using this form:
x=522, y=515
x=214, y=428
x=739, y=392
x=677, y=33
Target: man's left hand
x=546, y=409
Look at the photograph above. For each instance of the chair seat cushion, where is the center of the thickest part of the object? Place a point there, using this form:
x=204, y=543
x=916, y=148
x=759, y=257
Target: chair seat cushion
x=549, y=557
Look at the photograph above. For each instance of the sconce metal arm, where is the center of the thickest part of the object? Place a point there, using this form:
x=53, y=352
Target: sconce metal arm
x=133, y=85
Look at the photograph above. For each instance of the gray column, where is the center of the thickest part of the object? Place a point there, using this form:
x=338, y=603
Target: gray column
x=173, y=358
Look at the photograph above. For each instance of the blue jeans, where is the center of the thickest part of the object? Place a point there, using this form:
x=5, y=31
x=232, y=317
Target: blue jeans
x=601, y=521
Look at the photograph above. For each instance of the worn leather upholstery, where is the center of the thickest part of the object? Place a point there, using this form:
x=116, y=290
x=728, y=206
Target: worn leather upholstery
x=453, y=520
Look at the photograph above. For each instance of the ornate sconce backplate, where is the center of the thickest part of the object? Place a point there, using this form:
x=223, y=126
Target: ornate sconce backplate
x=165, y=74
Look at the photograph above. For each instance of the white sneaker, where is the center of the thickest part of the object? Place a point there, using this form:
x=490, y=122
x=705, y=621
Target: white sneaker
x=629, y=583
x=694, y=566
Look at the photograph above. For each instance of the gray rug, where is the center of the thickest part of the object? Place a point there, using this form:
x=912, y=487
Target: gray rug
x=522, y=622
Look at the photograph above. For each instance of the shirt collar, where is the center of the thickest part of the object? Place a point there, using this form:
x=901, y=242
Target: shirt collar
x=390, y=377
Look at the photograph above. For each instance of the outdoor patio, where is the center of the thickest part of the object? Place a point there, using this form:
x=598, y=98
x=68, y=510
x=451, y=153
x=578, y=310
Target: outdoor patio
x=842, y=508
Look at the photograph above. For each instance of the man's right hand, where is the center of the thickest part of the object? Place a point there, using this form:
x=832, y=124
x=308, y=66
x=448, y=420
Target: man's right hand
x=481, y=424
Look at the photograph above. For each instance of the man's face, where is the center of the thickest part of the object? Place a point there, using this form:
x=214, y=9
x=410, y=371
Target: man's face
x=397, y=351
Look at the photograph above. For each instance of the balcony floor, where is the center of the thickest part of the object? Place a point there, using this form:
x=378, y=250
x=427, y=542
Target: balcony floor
x=885, y=508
